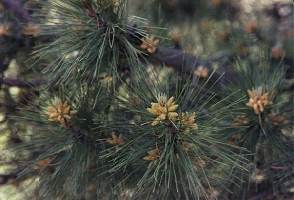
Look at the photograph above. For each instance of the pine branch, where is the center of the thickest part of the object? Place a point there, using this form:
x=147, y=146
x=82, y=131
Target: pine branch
x=178, y=59
x=5, y=178
x=80, y=136
x=17, y=7
x=186, y=62
x=22, y=83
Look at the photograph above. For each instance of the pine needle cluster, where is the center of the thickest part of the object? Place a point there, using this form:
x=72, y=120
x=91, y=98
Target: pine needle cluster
x=113, y=122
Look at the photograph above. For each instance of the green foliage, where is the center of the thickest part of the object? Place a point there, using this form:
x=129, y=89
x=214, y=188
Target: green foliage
x=65, y=155
x=269, y=78
x=90, y=38
x=111, y=123
x=191, y=160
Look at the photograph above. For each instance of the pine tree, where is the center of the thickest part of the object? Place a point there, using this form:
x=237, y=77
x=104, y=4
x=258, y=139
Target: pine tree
x=123, y=112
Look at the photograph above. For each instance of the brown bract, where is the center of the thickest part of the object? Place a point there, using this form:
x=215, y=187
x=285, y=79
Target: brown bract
x=4, y=30
x=216, y=3
x=258, y=100
x=199, y=163
x=250, y=27
x=106, y=80
x=223, y=35
x=241, y=120
x=152, y=155
x=242, y=49
x=175, y=37
x=278, y=53
x=278, y=120
x=234, y=139
x=43, y=164
x=186, y=146
x=1, y=7
x=150, y=44
x=31, y=30
x=115, y=140
x=202, y=72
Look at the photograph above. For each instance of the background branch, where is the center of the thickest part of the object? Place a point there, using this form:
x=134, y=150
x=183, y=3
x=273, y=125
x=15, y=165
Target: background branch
x=21, y=83
x=17, y=8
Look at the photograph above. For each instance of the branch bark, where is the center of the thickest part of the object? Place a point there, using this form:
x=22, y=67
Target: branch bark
x=21, y=83
x=178, y=59
x=187, y=63
x=5, y=178
x=17, y=7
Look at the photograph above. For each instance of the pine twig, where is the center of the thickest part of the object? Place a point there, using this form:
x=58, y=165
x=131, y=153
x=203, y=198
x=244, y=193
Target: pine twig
x=178, y=59
x=17, y=7
x=187, y=63
x=5, y=178
x=21, y=83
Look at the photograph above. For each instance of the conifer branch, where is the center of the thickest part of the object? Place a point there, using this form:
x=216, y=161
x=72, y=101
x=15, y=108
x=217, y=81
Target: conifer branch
x=5, y=178
x=81, y=137
x=21, y=83
x=178, y=59
x=161, y=136
x=17, y=8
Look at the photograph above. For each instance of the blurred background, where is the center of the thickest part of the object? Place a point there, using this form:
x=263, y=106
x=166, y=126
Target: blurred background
x=226, y=29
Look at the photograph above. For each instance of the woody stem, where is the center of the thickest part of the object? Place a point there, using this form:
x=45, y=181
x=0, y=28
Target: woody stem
x=21, y=83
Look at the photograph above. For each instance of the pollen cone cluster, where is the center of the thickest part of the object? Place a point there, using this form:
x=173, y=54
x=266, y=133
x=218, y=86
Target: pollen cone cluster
x=60, y=111
x=258, y=100
x=188, y=120
x=163, y=110
x=150, y=44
